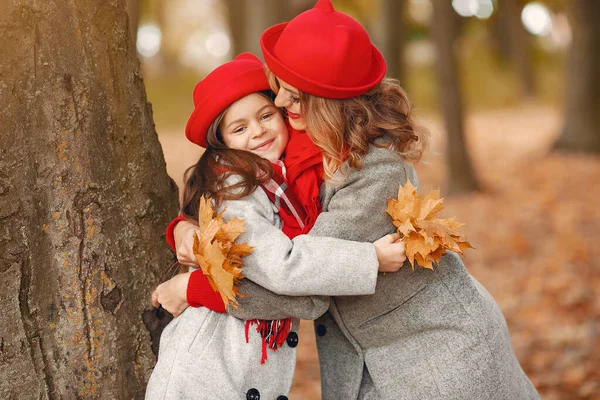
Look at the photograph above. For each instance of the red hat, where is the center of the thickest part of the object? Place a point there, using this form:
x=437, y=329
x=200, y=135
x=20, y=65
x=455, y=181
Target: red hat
x=225, y=85
x=323, y=52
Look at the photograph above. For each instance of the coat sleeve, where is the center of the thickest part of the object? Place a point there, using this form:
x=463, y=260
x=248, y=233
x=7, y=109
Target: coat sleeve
x=355, y=210
x=258, y=302
x=305, y=265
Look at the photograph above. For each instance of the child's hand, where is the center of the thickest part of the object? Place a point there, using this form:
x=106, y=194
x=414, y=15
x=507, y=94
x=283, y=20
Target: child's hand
x=390, y=253
x=172, y=294
x=184, y=243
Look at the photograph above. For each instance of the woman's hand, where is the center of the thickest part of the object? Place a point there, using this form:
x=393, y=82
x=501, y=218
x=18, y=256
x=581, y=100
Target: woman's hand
x=390, y=253
x=172, y=294
x=184, y=243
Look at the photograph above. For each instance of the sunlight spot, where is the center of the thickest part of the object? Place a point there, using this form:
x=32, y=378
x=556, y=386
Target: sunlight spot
x=536, y=19
x=148, y=40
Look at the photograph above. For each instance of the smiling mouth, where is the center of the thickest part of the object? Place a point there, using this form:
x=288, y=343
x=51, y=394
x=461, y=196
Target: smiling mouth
x=293, y=115
x=264, y=145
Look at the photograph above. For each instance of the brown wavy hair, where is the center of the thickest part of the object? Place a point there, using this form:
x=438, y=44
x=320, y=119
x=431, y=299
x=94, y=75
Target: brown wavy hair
x=218, y=162
x=344, y=128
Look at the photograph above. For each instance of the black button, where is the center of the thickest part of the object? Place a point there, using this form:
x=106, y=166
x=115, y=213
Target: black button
x=321, y=330
x=253, y=394
x=292, y=339
x=282, y=398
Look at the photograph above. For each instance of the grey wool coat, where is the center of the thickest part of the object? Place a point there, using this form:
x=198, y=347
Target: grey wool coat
x=204, y=355
x=423, y=334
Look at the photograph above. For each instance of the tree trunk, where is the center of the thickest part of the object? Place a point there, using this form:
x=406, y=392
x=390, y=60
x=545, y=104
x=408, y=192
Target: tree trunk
x=261, y=14
x=519, y=45
x=391, y=36
x=461, y=178
x=133, y=12
x=84, y=200
x=500, y=40
x=296, y=7
x=236, y=10
x=248, y=19
x=581, y=131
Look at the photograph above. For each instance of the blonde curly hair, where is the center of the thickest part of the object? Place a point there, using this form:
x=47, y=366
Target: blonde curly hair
x=344, y=128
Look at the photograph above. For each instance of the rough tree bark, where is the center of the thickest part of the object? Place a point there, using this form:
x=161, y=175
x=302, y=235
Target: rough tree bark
x=133, y=11
x=581, y=130
x=84, y=199
x=391, y=36
x=461, y=178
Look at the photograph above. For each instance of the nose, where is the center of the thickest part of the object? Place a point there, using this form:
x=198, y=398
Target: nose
x=281, y=100
x=258, y=129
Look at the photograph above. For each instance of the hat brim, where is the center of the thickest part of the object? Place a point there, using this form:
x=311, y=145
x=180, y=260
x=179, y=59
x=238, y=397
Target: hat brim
x=268, y=41
x=220, y=98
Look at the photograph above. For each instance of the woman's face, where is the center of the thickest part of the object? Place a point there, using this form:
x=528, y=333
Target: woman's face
x=288, y=97
x=253, y=123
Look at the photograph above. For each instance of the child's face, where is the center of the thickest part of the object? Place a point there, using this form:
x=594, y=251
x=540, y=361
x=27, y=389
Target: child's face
x=288, y=97
x=253, y=123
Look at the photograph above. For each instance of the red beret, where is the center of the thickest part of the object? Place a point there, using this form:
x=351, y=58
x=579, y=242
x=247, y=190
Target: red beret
x=323, y=52
x=222, y=87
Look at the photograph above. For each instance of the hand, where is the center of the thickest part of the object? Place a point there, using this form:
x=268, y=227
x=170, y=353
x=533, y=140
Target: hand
x=172, y=294
x=184, y=243
x=390, y=253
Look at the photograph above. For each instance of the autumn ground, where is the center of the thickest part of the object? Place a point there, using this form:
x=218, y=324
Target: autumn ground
x=535, y=228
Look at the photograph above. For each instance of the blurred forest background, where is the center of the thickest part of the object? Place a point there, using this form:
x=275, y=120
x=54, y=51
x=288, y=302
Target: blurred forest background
x=493, y=80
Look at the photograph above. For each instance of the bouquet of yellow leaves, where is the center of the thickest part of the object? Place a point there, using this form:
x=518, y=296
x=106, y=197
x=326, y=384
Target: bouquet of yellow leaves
x=220, y=258
x=426, y=238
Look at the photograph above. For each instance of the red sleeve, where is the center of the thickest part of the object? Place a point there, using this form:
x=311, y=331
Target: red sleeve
x=201, y=294
x=171, y=229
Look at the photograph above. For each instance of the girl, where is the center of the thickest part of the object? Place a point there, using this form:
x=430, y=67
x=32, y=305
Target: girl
x=204, y=354
x=423, y=334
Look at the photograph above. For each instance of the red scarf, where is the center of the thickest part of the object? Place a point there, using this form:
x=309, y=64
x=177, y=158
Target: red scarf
x=304, y=163
x=297, y=199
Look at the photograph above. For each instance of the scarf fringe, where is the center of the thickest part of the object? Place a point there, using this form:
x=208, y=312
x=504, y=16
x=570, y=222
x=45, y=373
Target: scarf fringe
x=273, y=333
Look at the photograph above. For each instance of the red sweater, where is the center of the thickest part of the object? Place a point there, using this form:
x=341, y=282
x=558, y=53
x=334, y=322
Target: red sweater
x=304, y=167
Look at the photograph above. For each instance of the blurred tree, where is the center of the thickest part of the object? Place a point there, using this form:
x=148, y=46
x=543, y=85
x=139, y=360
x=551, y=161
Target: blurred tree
x=390, y=33
x=261, y=14
x=84, y=200
x=581, y=130
x=461, y=178
x=236, y=16
x=248, y=19
x=513, y=43
x=295, y=7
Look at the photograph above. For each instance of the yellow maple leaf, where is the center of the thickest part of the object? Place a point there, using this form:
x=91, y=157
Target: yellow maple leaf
x=219, y=257
x=426, y=237
x=231, y=230
x=206, y=212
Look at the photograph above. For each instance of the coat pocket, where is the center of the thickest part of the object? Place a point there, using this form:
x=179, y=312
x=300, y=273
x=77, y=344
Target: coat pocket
x=392, y=291
x=204, y=332
x=402, y=300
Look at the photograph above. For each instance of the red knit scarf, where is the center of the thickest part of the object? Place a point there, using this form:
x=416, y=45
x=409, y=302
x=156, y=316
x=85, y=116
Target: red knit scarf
x=297, y=199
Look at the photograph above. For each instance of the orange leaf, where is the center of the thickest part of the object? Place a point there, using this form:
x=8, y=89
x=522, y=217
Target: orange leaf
x=426, y=237
x=219, y=257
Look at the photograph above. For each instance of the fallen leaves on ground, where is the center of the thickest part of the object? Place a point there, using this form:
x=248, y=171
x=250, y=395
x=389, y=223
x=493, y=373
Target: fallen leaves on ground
x=220, y=258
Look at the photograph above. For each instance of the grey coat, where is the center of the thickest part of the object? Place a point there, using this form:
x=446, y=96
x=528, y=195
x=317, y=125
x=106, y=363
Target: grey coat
x=204, y=355
x=423, y=334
